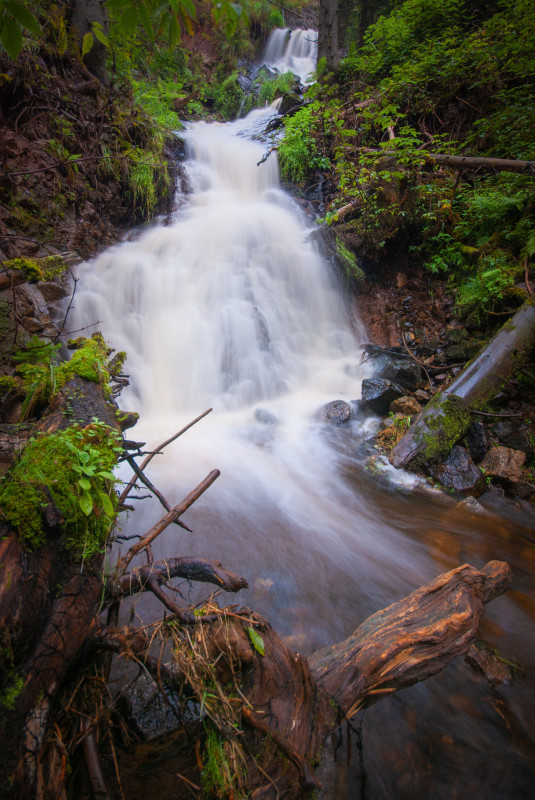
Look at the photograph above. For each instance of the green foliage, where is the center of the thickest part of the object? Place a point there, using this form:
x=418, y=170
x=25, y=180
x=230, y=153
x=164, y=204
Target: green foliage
x=217, y=777
x=15, y=17
x=348, y=260
x=299, y=151
x=72, y=470
x=228, y=97
x=271, y=88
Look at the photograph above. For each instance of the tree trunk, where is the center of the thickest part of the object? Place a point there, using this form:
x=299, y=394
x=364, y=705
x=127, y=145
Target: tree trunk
x=328, y=34
x=447, y=416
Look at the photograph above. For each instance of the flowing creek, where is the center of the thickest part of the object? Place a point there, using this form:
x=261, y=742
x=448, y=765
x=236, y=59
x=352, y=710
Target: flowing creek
x=227, y=305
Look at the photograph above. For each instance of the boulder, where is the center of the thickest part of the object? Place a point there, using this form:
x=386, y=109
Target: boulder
x=378, y=393
x=399, y=369
x=337, y=412
x=504, y=463
x=408, y=406
x=458, y=472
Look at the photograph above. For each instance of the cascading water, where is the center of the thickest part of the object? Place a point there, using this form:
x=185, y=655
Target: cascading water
x=228, y=306
x=292, y=51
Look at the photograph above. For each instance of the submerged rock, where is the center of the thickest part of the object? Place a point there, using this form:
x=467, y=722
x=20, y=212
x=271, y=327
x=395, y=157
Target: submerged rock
x=265, y=417
x=458, y=472
x=488, y=664
x=336, y=412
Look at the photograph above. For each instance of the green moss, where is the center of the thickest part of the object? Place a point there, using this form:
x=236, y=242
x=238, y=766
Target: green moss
x=43, y=375
x=42, y=269
x=70, y=470
x=444, y=428
x=349, y=263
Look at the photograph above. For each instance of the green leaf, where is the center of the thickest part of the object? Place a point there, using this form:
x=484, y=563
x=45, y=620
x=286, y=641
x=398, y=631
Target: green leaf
x=106, y=503
x=23, y=16
x=146, y=21
x=100, y=35
x=87, y=43
x=84, y=484
x=108, y=475
x=257, y=641
x=189, y=8
x=75, y=156
x=128, y=21
x=11, y=37
x=86, y=503
x=63, y=41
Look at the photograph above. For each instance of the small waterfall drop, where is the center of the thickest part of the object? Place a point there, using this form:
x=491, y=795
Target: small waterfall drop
x=292, y=51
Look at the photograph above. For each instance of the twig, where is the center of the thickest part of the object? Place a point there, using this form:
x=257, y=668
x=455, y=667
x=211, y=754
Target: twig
x=490, y=414
x=421, y=363
x=150, y=486
x=170, y=517
x=129, y=486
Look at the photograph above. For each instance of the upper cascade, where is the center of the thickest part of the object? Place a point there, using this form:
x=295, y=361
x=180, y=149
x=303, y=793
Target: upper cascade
x=292, y=51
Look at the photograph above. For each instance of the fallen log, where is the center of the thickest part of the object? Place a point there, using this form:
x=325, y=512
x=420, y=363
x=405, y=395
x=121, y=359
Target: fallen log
x=482, y=162
x=445, y=419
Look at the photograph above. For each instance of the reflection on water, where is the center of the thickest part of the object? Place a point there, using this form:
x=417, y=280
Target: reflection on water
x=230, y=307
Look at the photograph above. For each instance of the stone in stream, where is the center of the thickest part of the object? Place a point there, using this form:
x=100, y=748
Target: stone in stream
x=399, y=369
x=458, y=472
x=265, y=417
x=337, y=412
x=378, y=393
x=514, y=433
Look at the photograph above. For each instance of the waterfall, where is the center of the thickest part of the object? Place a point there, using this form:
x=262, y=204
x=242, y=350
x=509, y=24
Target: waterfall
x=292, y=51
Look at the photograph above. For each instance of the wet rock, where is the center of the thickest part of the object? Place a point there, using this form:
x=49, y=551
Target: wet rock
x=477, y=440
x=454, y=335
x=504, y=463
x=408, y=406
x=456, y=352
x=488, y=664
x=421, y=396
x=399, y=370
x=458, y=472
x=378, y=393
x=289, y=101
x=265, y=417
x=471, y=505
x=523, y=490
x=515, y=434
x=336, y=412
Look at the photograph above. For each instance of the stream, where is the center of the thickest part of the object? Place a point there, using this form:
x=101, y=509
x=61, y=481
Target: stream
x=227, y=305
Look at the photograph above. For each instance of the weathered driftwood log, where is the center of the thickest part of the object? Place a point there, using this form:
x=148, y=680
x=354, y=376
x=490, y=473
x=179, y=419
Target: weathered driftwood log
x=292, y=703
x=447, y=416
x=479, y=162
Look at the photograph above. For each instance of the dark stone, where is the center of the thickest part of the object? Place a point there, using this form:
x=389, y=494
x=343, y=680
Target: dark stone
x=399, y=370
x=523, y=490
x=477, y=440
x=515, y=434
x=289, y=101
x=455, y=335
x=459, y=472
x=378, y=393
x=336, y=412
x=456, y=352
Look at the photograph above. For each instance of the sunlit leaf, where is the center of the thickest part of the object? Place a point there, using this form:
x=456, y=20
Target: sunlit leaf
x=84, y=484
x=256, y=640
x=62, y=43
x=100, y=35
x=87, y=43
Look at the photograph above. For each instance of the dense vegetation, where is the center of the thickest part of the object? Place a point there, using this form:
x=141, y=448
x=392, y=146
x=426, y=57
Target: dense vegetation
x=451, y=77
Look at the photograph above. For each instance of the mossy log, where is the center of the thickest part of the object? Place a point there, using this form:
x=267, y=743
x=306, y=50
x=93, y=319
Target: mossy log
x=445, y=419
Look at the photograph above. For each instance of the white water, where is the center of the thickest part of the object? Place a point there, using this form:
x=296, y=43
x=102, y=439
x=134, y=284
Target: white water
x=292, y=51
x=228, y=306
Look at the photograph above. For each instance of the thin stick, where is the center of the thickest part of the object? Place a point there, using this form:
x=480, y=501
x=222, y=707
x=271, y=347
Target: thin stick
x=170, y=517
x=157, y=450
x=421, y=363
x=150, y=486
